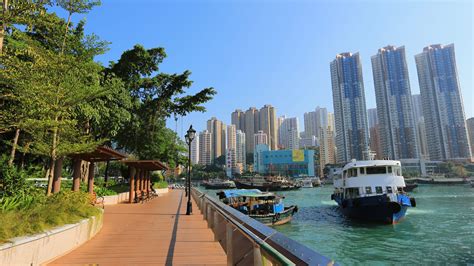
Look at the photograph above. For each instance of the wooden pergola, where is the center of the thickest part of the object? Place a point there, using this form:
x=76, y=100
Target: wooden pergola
x=100, y=154
x=140, y=177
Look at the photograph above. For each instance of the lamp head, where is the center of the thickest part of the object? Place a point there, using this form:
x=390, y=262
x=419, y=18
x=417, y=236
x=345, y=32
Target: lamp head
x=191, y=134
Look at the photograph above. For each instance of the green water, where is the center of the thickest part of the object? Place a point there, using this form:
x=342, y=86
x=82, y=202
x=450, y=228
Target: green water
x=440, y=230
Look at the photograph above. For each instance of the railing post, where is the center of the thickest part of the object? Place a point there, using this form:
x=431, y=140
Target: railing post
x=229, y=238
x=216, y=225
x=257, y=255
x=210, y=221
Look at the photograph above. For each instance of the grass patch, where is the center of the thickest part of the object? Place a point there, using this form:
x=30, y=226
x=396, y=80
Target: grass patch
x=45, y=213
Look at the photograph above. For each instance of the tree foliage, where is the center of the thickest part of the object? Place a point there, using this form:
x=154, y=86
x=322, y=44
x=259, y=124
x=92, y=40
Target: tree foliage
x=55, y=100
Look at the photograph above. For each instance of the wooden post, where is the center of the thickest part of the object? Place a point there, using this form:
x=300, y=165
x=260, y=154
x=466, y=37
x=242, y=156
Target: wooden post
x=58, y=167
x=131, y=195
x=147, y=183
x=139, y=181
x=90, y=184
x=76, y=175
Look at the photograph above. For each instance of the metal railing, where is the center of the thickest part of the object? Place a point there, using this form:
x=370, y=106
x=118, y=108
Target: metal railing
x=249, y=242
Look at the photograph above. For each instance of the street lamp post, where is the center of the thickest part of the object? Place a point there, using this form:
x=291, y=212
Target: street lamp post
x=189, y=139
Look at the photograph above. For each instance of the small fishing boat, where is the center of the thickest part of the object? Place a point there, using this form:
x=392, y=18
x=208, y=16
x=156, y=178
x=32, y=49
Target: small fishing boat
x=218, y=184
x=264, y=207
x=306, y=183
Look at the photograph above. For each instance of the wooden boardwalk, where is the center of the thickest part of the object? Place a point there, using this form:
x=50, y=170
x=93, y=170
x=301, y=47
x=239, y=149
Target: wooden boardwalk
x=157, y=232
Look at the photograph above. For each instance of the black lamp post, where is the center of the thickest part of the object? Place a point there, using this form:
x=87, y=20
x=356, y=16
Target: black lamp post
x=189, y=139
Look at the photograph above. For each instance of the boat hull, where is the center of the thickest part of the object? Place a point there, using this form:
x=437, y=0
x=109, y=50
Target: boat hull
x=270, y=187
x=276, y=219
x=373, y=209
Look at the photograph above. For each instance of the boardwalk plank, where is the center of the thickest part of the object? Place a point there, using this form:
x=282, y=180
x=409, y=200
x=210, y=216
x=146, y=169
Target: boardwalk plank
x=151, y=233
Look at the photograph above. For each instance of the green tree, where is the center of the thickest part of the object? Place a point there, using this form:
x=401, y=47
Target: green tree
x=155, y=97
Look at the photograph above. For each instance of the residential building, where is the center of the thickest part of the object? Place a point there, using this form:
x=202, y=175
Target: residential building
x=281, y=141
x=195, y=150
x=292, y=163
x=238, y=119
x=349, y=107
x=205, y=148
x=251, y=127
x=394, y=104
x=231, y=152
x=327, y=151
x=268, y=124
x=241, y=155
x=420, y=125
x=443, y=109
x=374, y=136
x=470, y=130
x=260, y=138
x=315, y=120
x=306, y=142
x=217, y=129
x=289, y=133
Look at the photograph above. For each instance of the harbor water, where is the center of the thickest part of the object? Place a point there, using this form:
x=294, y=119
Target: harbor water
x=440, y=230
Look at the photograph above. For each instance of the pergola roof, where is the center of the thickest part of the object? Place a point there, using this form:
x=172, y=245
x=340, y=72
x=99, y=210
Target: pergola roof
x=100, y=154
x=150, y=165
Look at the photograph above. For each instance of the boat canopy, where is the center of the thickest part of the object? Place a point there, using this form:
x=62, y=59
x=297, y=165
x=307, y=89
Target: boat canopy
x=253, y=193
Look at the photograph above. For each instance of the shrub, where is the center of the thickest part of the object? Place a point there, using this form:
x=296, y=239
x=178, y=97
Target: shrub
x=161, y=184
x=15, y=181
x=45, y=213
x=103, y=191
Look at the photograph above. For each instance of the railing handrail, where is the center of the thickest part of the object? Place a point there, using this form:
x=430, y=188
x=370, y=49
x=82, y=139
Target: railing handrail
x=286, y=250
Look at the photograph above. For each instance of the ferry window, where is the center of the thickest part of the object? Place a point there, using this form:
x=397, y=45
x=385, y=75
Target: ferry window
x=400, y=189
x=353, y=172
x=362, y=171
x=376, y=170
x=389, y=190
x=398, y=171
x=389, y=169
x=368, y=190
x=378, y=190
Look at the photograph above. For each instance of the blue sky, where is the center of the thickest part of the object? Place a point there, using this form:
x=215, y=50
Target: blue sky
x=260, y=52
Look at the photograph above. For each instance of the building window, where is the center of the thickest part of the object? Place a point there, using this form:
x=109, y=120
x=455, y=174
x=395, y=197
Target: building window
x=378, y=190
x=368, y=190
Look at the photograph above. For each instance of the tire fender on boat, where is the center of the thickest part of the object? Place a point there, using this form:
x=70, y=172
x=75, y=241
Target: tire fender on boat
x=276, y=217
x=413, y=202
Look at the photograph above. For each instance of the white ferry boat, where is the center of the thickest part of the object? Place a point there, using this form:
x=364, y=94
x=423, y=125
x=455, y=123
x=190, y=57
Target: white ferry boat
x=372, y=190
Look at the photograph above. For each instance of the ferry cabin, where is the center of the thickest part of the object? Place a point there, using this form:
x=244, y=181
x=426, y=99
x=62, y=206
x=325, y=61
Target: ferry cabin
x=369, y=178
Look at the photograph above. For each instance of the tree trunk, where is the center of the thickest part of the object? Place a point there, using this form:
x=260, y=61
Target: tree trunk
x=15, y=143
x=3, y=26
x=58, y=167
x=53, y=159
x=85, y=171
